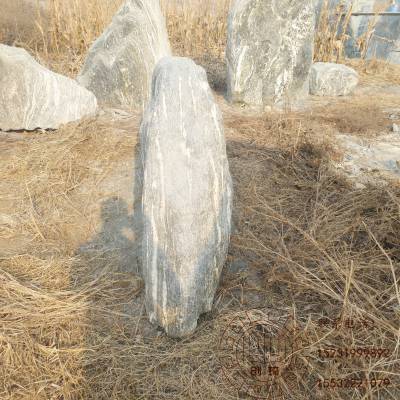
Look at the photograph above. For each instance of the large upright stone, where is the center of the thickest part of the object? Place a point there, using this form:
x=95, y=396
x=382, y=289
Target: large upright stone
x=187, y=196
x=33, y=97
x=120, y=63
x=270, y=50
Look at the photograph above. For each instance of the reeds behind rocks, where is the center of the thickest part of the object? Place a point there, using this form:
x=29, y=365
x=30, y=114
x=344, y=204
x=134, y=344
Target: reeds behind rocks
x=70, y=28
x=333, y=30
x=198, y=28
x=63, y=35
x=60, y=37
x=364, y=41
x=331, y=33
x=74, y=26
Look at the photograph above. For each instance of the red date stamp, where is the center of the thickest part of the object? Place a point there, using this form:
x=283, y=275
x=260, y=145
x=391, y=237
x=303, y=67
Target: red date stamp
x=352, y=383
x=360, y=352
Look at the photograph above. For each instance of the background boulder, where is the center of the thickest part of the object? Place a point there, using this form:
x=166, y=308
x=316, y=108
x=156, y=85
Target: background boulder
x=330, y=79
x=33, y=97
x=270, y=50
x=120, y=63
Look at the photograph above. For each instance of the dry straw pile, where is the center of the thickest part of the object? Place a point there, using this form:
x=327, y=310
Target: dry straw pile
x=72, y=325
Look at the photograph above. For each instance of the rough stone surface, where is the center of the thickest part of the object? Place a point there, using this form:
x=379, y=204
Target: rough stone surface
x=33, y=97
x=269, y=51
x=187, y=195
x=370, y=161
x=330, y=79
x=120, y=63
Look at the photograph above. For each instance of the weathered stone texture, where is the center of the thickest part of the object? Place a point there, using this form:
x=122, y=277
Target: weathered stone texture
x=187, y=195
x=120, y=63
x=330, y=79
x=368, y=160
x=33, y=97
x=269, y=51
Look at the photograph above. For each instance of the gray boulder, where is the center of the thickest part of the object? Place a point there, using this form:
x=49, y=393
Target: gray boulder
x=120, y=63
x=33, y=97
x=330, y=79
x=187, y=196
x=269, y=50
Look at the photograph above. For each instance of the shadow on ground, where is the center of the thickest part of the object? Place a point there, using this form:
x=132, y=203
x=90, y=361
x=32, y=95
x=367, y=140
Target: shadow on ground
x=216, y=72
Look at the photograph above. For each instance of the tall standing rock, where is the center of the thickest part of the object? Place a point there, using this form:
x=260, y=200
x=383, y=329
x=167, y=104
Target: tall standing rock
x=270, y=50
x=33, y=97
x=187, y=196
x=120, y=63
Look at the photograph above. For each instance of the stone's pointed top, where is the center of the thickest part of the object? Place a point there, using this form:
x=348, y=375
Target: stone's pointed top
x=148, y=6
x=175, y=66
x=187, y=196
x=120, y=63
x=13, y=54
x=33, y=97
x=8, y=51
x=17, y=56
x=175, y=62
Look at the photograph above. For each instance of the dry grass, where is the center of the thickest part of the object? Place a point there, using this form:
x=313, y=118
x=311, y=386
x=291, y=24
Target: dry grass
x=61, y=37
x=199, y=29
x=376, y=71
x=72, y=323
x=322, y=248
x=331, y=34
x=17, y=21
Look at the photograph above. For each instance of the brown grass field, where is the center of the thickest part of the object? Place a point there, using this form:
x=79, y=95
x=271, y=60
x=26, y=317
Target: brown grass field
x=72, y=320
